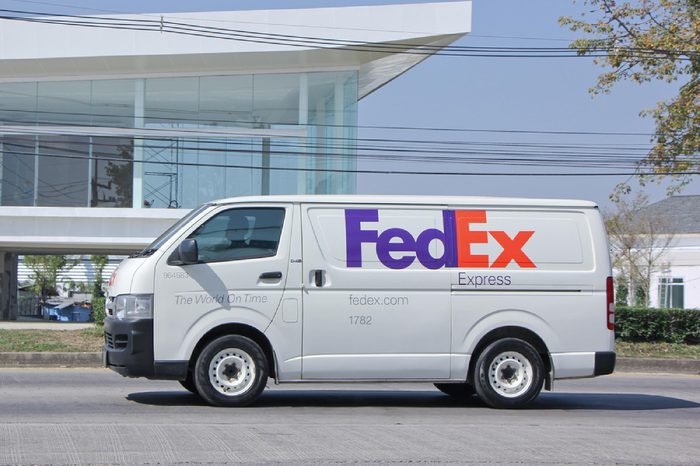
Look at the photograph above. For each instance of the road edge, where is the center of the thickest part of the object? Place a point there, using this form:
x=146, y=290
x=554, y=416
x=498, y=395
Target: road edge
x=94, y=359
x=36, y=359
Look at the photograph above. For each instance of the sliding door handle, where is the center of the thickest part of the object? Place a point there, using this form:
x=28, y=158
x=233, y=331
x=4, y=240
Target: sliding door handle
x=318, y=278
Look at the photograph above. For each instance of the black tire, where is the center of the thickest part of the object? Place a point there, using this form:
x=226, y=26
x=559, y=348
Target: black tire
x=188, y=383
x=509, y=373
x=457, y=390
x=231, y=371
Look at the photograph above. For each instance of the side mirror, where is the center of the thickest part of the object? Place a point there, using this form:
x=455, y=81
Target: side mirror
x=186, y=253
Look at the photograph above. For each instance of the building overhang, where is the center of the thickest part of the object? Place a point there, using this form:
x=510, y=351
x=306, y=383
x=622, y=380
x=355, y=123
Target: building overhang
x=82, y=230
x=380, y=42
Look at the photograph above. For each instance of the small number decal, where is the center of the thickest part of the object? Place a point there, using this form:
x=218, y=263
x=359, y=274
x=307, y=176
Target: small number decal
x=360, y=320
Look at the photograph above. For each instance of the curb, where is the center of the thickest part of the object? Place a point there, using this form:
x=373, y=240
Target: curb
x=671, y=366
x=50, y=359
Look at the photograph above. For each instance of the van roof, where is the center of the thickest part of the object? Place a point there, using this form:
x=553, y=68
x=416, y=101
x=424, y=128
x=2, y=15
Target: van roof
x=410, y=200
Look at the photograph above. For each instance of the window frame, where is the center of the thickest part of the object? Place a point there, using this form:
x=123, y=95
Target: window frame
x=283, y=209
x=666, y=288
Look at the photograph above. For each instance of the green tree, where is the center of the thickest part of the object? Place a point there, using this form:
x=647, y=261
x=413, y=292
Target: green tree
x=45, y=270
x=643, y=41
x=638, y=242
x=99, y=262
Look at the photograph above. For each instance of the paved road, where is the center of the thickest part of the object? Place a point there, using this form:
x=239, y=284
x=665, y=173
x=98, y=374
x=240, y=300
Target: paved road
x=95, y=416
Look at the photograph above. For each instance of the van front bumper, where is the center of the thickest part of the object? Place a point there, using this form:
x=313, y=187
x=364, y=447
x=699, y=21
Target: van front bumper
x=128, y=347
x=128, y=351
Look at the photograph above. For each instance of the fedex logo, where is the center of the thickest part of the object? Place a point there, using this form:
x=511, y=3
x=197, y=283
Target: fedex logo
x=457, y=238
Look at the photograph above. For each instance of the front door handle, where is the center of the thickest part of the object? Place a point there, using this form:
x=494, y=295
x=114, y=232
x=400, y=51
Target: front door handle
x=271, y=276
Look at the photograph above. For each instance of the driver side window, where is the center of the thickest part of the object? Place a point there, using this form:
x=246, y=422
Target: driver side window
x=240, y=233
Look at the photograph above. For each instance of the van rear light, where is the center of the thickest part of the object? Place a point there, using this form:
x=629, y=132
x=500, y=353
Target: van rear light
x=610, y=299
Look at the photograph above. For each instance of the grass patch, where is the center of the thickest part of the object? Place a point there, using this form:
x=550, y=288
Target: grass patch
x=92, y=340
x=71, y=341
x=626, y=349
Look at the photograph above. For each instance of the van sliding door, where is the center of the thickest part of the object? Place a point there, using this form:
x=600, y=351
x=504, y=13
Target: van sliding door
x=375, y=306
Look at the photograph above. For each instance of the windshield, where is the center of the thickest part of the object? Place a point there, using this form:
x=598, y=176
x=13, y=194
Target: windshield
x=158, y=242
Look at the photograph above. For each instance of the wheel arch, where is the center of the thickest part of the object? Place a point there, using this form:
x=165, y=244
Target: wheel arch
x=237, y=329
x=513, y=331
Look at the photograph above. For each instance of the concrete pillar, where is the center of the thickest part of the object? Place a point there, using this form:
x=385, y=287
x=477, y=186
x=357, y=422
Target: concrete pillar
x=8, y=286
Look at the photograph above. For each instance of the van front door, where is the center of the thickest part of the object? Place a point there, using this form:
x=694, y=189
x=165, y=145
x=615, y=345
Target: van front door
x=375, y=303
x=240, y=276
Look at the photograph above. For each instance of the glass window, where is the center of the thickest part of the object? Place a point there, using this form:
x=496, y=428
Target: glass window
x=17, y=103
x=113, y=102
x=112, y=172
x=275, y=100
x=240, y=233
x=171, y=100
x=226, y=100
x=671, y=293
x=17, y=171
x=63, y=171
x=64, y=102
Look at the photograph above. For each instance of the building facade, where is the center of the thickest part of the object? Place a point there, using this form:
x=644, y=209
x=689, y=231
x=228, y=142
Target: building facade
x=129, y=113
x=675, y=281
x=176, y=141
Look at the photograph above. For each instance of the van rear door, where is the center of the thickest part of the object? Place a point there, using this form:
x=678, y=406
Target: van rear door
x=372, y=308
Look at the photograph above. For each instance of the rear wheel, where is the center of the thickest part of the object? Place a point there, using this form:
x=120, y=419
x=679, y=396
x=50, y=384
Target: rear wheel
x=509, y=373
x=231, y=371
x=457, y=390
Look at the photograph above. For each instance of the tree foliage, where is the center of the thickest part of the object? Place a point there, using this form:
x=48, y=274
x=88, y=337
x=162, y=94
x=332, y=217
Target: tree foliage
x=651, y=40
x=638, y=242
x=45, y=270
x=99, y=262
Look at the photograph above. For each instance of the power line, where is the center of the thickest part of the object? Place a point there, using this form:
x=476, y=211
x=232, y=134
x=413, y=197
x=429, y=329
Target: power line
x=296, y=25
x=189, y=29
x=487, y=152
x=357, y=171
x=513, y=160
x=320, y=125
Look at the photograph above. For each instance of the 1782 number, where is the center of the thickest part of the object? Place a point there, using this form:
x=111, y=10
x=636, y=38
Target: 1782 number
x=360, y=320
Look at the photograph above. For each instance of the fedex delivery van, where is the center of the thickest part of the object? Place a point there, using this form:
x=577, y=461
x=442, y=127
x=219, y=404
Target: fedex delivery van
x=487, y=296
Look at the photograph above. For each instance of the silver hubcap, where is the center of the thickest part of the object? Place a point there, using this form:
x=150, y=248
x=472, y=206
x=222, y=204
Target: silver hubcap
x=232, y=372
x=510, y=374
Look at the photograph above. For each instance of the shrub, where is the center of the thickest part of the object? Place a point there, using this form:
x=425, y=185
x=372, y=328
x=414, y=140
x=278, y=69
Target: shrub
x=650, y=324
x=98, y=310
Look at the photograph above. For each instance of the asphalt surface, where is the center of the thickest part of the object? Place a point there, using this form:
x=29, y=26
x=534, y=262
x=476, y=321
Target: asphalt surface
x=71, y=416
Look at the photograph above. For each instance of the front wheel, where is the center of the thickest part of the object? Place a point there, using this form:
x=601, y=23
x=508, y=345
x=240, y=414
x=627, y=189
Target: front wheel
x=508, y=374
x=231, y=371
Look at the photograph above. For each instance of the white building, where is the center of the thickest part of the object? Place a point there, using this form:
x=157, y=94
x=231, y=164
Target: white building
x=676, y=281
x=106, y=133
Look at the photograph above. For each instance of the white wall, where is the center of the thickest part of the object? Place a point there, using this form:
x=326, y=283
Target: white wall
x=681, y=261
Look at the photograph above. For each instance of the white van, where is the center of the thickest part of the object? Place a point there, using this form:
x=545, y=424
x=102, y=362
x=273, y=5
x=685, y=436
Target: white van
x=497, y=297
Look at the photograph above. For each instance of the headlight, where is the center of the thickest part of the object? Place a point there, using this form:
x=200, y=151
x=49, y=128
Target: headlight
x=134, y=306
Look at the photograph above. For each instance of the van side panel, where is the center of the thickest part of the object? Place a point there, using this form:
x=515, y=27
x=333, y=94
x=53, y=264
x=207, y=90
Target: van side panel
x=560, y=295
x=364, y=319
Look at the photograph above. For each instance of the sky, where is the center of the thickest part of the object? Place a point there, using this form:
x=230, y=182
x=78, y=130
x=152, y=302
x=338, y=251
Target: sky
x=531, y=94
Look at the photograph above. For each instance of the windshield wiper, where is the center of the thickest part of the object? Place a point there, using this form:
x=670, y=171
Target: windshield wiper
x=145, y=253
